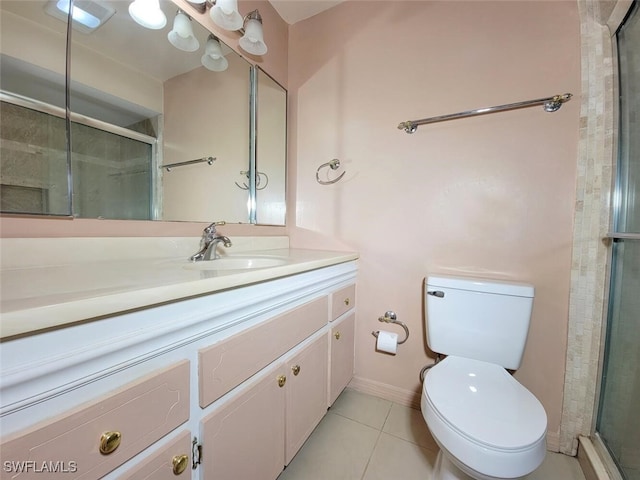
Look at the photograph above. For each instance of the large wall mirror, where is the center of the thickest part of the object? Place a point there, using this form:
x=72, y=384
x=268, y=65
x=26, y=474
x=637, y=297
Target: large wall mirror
x=160, y=126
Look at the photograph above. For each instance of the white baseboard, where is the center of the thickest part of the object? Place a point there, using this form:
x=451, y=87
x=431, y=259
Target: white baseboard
x=398, y=395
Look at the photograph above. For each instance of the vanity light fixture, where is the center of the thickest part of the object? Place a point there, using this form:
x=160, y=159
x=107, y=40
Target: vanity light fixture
x=225, y=14
x=213, y=59
x=181, y=36
x=86, y=16
x=148, y=14
x=252, y=41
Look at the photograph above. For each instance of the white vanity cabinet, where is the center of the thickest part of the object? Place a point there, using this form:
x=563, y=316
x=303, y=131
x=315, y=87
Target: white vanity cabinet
x=224, y=385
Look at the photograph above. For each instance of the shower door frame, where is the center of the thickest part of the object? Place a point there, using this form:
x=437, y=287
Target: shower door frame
x=598, y=443
x=155, y=211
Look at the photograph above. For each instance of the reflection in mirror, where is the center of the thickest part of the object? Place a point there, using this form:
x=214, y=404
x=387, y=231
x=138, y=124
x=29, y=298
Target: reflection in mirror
x=271, y=150
x=204, y=118
x=33, y=157
x=138, y=102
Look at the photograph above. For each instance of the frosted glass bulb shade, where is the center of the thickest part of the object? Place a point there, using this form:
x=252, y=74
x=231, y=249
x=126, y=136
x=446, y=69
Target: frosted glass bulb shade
x=148, y=14
x=182, y=36
x=252, y=41
x=225, y=14
x=213, y=59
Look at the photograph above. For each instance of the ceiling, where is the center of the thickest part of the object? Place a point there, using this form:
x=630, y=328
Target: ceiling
x=293, y=11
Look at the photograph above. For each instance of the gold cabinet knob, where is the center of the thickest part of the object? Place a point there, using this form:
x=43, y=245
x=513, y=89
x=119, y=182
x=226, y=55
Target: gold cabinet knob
x=347, y=301
x=337, y=335
x=281, y=380
x=109, y=442
x=180, y=463
x=295, y=369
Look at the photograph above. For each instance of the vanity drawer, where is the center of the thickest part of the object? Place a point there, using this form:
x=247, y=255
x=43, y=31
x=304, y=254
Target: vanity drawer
x=170, y=462
x=138, y=414
x=342, y=301
x=225, y=365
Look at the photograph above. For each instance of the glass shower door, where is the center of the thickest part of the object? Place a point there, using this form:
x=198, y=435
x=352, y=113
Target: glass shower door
x=619, y=414
x=618, y=423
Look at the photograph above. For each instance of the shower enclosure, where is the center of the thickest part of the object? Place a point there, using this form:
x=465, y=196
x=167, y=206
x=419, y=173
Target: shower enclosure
x=112, y=167
x=618, y=422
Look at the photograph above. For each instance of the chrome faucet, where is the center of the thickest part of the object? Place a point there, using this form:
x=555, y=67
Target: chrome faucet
x=210, y=241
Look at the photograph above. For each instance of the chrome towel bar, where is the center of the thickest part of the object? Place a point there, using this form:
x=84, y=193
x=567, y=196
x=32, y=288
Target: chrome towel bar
x=550, y=104
x=209, y=160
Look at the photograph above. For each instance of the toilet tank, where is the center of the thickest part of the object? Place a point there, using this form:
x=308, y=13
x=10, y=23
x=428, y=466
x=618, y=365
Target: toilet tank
x=478, y=318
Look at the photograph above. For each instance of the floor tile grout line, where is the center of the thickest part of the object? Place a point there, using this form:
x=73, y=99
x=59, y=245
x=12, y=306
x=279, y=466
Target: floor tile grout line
x=386, y=417
x=411, y=442
x=375, y=445
x=362, y=423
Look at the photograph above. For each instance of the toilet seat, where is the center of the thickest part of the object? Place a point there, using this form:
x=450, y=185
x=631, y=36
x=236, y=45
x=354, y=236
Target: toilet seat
x=484, y=418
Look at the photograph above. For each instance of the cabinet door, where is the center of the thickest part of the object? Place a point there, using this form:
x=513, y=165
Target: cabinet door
x=244, y=437
x=341, y=356
x=306, y=394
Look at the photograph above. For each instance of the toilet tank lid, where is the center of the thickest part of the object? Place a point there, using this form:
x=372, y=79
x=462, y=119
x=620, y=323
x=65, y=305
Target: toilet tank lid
x=483, y=285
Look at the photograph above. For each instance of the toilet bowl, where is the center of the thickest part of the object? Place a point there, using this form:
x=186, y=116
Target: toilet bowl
x=487, y=425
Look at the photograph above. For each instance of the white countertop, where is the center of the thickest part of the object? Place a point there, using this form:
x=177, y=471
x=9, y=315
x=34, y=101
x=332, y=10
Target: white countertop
x=41, y=297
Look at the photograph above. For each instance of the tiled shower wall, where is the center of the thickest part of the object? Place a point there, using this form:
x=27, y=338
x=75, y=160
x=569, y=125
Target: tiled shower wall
x=111, y=173
x=591, y=223
x=33, y=172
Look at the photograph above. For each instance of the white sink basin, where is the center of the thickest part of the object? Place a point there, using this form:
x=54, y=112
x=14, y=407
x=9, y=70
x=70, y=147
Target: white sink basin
x=237, y=263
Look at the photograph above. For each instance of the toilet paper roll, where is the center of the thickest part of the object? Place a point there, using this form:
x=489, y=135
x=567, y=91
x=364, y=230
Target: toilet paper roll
x=387, y=342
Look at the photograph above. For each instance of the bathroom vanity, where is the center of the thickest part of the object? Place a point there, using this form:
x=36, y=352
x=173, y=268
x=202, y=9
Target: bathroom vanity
x=199, y=373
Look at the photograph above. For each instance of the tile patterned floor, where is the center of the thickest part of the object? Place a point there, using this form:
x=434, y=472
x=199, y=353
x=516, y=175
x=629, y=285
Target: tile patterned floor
x=367, y=438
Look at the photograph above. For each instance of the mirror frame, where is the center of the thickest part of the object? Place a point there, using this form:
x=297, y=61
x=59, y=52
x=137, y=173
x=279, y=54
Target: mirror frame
x=254, y=132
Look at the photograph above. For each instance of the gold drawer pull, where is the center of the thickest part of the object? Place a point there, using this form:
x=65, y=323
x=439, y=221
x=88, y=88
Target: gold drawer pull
x=337, y=335
x=347, y=301
x=109, y=442
x=295, y=369
x=281, y=380
x=180, y=463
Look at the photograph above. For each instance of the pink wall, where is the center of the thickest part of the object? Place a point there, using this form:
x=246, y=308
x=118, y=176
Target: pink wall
x=489, y=196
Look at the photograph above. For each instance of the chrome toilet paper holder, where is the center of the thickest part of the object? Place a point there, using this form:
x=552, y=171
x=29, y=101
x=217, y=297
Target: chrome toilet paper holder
x=391, y=317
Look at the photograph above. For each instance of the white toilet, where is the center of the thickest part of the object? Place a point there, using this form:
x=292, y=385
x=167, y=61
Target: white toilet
x=488, y=426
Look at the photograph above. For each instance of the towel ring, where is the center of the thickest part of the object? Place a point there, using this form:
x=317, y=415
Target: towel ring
x=391, y=317
x=244, y=186
x=333, y=165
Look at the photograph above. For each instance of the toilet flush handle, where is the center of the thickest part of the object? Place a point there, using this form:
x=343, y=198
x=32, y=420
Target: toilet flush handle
x=436, y=293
